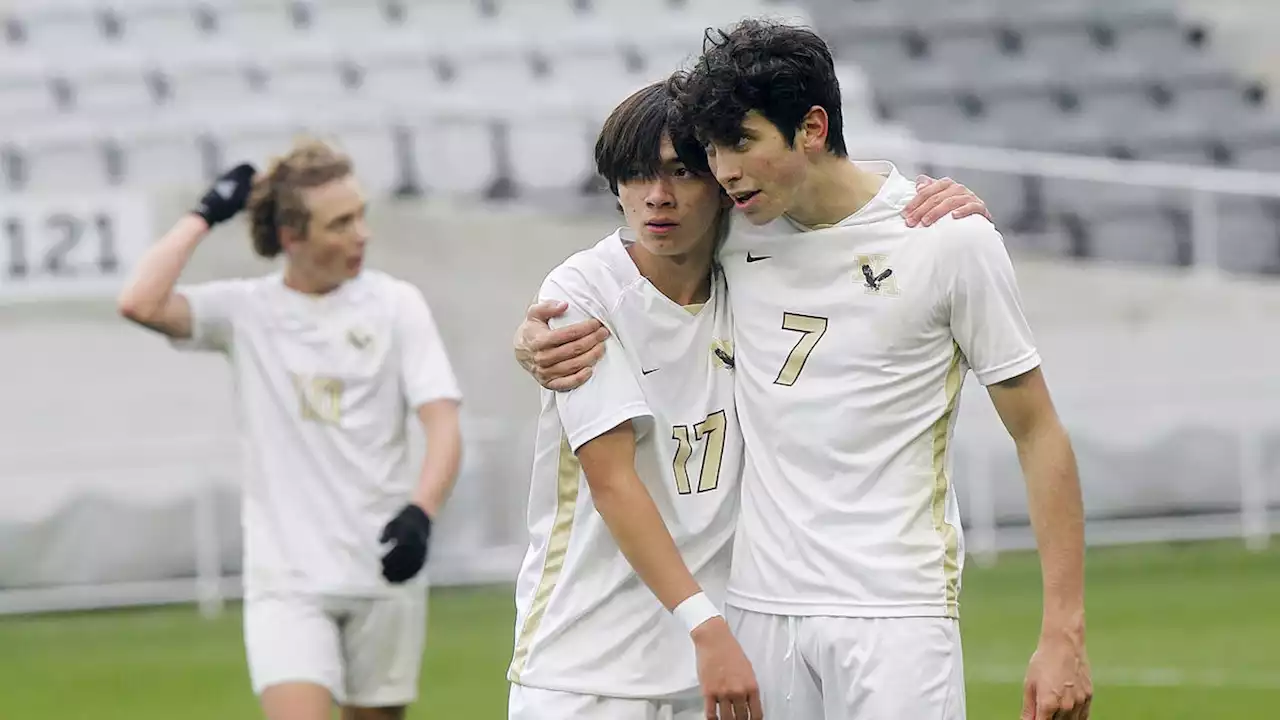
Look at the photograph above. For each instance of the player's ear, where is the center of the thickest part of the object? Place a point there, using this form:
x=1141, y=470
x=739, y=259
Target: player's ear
x=812, y=135
x=289, y=236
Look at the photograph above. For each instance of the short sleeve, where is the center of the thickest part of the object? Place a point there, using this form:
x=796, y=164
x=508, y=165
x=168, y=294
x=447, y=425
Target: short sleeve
x=214, y=308
x=987, y=319
x=426, y=373
x=612, y=395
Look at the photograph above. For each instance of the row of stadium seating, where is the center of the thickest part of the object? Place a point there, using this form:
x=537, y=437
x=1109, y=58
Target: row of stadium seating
x=410, y=74
x=1128, y=80
x=89, y=24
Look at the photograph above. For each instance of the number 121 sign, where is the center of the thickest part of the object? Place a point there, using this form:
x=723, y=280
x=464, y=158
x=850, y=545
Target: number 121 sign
x=64, y=246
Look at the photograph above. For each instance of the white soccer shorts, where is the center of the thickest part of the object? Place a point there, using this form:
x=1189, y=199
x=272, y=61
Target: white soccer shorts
x=366, y=651
x=838, y=668
x=528, y=703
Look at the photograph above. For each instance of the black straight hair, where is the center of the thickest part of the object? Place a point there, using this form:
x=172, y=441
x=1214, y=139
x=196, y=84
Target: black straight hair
x=630, y=143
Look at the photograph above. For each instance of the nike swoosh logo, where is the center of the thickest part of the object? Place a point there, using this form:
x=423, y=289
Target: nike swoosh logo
x=649, y=372
x=757, y=258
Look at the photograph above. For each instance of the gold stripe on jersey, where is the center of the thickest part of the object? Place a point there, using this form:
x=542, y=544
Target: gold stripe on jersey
x=941, y=484
x=567, y=478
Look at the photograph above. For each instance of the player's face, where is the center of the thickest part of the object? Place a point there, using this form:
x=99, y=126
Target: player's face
x=333, y=251
x=762, y=172
x=675, y=212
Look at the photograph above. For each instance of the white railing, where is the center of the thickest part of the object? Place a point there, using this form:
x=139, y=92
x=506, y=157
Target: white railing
x=1201, y=184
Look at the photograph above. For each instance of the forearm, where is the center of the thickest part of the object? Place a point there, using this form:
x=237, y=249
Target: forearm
x=1057, y=517
x=439, y=467
x=642, y=536
x=157, y=272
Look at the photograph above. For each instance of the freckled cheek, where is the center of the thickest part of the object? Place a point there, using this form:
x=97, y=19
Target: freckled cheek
x=782, y=173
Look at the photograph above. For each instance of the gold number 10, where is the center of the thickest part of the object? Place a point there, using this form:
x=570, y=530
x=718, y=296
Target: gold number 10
x=712, y=430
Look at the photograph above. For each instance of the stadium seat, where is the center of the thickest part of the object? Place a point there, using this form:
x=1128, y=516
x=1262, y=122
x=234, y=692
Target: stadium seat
x=588, y=55
x=1265, y=158
x=64, y=157
x=403, y=76
x=162, y=26
x=537, y=17
x=377, y=153
x=1082, y=55
x=249, y=23
x=53, y=26
x=26, y=93
x=254, y=136
x=455, y=154
x=451, y=20
x=339, y=18
x=120, y=82
x=1248, y=236
x=1139, y=234
x=552, y=153
x=1089, y=198
x=161, y=153
x=1025, y=117
x=303, y=73
x=216, y=77
x=659, y=59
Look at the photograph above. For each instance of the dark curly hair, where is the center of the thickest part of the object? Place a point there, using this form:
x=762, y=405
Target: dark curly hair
x=781, y=71
x=276, y=199
x=630, y=142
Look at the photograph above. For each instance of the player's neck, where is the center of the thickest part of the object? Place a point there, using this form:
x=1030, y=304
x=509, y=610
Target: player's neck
x=298, y=281
x=684, y=279
x=834, y=189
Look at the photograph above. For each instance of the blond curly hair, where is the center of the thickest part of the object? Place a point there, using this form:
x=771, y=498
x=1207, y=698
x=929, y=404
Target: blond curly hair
x=276, y=199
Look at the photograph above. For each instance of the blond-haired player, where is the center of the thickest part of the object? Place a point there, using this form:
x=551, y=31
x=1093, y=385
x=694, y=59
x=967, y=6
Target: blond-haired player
x=328, y=361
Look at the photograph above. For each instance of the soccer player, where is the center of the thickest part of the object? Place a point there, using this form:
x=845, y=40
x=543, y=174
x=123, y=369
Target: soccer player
x=634, y=494
x=854, y=334
x=328, y=360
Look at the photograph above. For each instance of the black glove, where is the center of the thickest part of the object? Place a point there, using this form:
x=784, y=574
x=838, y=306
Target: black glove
x=410, y=531
x=227, y=196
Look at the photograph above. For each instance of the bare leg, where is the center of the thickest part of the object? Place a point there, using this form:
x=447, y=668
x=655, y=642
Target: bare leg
x=297, y=701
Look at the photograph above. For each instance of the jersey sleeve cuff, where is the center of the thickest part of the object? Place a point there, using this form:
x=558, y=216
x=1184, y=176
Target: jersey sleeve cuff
x=585, y=434
x=419, y=399
x=1012, y=369
x=199, y=339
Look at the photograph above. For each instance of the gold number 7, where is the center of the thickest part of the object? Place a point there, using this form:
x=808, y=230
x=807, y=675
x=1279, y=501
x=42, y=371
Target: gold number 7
x=813, y=328
x=712, y=430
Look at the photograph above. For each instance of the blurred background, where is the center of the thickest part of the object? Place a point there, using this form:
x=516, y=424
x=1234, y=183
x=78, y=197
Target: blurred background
x=1129, y=149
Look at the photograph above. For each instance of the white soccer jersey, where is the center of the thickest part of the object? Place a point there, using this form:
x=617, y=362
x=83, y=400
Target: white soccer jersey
x=586, y=622
x=324, y=386
x=853, y=343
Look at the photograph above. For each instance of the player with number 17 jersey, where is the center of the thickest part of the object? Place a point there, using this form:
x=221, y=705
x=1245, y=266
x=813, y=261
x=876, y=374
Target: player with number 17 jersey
x=586, y=622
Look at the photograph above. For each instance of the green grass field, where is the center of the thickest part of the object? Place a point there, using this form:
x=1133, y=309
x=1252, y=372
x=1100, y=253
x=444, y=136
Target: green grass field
x=1175, y=632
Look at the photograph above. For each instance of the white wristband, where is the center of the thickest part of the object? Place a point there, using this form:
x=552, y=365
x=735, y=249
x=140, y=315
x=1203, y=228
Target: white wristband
x=695, y=610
